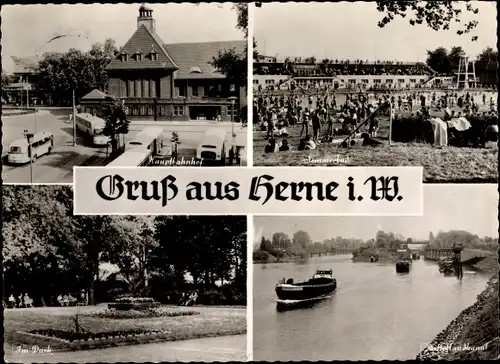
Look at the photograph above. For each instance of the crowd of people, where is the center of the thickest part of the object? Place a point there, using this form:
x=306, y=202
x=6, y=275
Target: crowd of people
x=23, y=300
x=355, y=116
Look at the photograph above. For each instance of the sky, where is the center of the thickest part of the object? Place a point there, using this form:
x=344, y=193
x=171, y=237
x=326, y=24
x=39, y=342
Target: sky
x=346, y=30
x=473, y=208
x=26, y=29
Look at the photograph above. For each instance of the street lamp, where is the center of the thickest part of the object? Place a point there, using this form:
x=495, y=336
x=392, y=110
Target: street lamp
x=233, y=135
x=29, y=137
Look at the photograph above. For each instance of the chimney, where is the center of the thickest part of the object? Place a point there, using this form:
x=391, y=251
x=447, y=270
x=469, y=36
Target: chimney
x=146, y=17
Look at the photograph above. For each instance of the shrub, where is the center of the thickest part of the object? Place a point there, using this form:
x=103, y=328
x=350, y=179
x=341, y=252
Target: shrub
x=74, y=336
x=136, y=314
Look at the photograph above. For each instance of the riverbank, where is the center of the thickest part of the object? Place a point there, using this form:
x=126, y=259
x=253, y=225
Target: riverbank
x=473, y=335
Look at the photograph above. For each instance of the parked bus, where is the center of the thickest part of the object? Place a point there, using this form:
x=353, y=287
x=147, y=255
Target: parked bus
x=212, y=147
x=93, y=126
x=41, y=143
x=135, y=157
x=150, y=137
x=142, y=149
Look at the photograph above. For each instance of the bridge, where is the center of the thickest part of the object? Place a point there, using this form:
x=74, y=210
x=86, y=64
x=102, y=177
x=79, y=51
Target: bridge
x=438, y=253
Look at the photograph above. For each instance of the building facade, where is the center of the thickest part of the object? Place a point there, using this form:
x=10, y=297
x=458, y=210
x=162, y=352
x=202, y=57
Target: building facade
x=159, y=81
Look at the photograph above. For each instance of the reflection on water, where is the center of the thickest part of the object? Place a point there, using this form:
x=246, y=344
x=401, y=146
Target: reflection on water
x=374, y=313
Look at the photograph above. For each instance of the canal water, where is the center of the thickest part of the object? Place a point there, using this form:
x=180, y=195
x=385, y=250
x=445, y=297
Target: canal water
x=375, y=313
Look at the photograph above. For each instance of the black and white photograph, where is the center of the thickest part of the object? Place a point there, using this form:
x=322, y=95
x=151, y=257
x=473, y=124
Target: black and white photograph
x=375, y=288
x=88, y=289
x=122, y=85
x=378, y=84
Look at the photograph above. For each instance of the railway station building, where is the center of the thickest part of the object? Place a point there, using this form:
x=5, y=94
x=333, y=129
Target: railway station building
x=173, y=82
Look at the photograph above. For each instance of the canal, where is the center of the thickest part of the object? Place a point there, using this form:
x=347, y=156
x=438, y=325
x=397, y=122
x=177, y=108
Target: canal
x=374, y=313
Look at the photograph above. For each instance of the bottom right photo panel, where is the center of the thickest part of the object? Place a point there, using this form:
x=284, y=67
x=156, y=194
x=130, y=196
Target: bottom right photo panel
x=374, y=288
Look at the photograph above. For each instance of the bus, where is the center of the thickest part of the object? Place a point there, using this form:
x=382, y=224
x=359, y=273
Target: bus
x=135, y=157
x=150, y=137
x=212, y=146
x=41, y=143
x=93, y=126
x=142, y=149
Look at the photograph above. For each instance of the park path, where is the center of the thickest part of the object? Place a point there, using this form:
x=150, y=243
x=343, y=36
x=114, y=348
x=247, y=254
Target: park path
x=223, y=348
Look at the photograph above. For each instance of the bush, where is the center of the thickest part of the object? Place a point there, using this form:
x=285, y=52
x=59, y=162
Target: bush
x=261, y=256
x=73, y=336
x=135, y=314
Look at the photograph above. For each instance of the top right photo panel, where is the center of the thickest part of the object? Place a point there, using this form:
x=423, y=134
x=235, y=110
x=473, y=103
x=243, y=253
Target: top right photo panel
x=382, y=83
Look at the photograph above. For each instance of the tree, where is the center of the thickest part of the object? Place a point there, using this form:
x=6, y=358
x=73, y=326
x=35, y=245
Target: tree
x=5, y=78
x=95, y=236
x=58, y=74
x=266, y=245
x=231, y=63
x=438, y=60
x=132, y=254
x=281, y=241
x=302, y=239
x=454, y=57
x=115, y=115
x=438, y=15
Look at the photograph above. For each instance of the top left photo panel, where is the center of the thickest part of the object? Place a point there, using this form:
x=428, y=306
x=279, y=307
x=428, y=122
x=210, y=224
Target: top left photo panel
x=122, y=85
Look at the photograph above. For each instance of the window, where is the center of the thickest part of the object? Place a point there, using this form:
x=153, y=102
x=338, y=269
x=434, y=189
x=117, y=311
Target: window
x=195, y=69
x=142, y=110
x=124, y=56
x=150, y=110
x=154, y=56
x=255, y=82
x=195, y=90
x=138, y=56
x=163, y=110
x=413, y=80
x=422, y=81
x=269, y=82
x=401, y=80
x=389, y=80
x=206, y=90
x=364, y=80
x=178, y=110
x=352, y=81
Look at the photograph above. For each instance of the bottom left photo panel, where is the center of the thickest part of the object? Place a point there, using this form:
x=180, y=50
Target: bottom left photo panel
x=119, y=288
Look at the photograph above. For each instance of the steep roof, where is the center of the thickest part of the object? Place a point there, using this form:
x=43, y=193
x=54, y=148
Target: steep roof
x=191, y=56
x=95, y=94
x=145, y=40
x=24, y=64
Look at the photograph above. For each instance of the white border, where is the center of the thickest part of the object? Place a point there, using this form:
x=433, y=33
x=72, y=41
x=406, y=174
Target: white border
x=250, y=237
x=251, y=8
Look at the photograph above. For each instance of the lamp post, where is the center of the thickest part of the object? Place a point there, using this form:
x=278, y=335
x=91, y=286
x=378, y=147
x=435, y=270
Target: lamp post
x=29, y=136
x=233, y=135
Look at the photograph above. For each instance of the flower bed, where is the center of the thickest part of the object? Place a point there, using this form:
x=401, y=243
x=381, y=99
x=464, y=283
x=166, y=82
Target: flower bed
x=125, y=306
x=132, y=314
x=134, y=303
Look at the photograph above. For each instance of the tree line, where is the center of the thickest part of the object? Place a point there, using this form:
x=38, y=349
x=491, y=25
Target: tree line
x=47, y=251
x=280, y=246
x=446, y=62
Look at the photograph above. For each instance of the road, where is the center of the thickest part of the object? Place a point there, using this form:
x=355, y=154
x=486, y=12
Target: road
x=223, y=348
x=58, y=166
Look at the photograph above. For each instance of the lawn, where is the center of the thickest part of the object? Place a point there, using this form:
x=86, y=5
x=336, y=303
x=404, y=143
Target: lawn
x=210, y=322
x=441, y=164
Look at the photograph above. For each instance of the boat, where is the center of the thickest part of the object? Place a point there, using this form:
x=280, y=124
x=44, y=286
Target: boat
x=403, y=266
x=319, y=286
